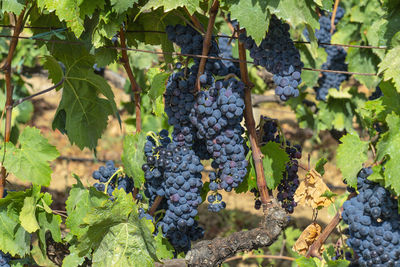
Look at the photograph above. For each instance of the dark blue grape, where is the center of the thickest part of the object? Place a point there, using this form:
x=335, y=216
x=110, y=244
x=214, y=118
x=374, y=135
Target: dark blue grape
x=335, y=60
x=279, y=56
x=373, y=235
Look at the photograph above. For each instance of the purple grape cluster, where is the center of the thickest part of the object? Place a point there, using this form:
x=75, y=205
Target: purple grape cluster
x=335, y=60
x=290, y=180
x=109, y=179
x=374, y=223
x=279, y=56
x=173, y=171
x=158, y=159
x=225, y=49
x=217, y=115
x=214, y=131
x=182, y=192
x=191, y=42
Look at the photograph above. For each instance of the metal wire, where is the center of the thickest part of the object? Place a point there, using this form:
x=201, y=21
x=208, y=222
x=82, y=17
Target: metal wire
x=176, y=54
x=218, y=35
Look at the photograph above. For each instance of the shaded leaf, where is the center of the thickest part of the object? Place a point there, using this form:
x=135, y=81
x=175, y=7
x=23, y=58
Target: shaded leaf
x=132, y=157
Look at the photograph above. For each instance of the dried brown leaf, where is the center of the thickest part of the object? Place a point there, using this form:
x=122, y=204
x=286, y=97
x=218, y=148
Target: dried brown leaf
x=310, y=190
x=307, y=238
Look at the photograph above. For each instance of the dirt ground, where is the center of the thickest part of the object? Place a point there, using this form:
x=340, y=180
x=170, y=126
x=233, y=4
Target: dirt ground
x=110, y=148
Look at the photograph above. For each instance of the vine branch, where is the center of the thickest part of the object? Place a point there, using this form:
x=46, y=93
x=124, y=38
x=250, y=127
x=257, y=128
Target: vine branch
x=134, y=85
x=335, y=7
x=195, y=21
x=316, y=246
x=9, y=92
x=19, y=101
x=207, y=41
x=251, y=128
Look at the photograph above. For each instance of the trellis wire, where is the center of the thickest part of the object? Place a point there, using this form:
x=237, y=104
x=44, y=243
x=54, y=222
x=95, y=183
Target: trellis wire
x=176, y=54
x=218, y=35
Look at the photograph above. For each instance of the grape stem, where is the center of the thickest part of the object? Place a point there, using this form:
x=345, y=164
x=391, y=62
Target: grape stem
x=335, y=7
x=316, y=246
x=251, y=128
x=195, y=21
x=156, y=202
x=207, y=41
x=134, y=85
x=9, y=93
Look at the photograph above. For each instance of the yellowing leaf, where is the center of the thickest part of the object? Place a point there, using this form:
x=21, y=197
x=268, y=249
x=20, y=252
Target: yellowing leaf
x=310, y=191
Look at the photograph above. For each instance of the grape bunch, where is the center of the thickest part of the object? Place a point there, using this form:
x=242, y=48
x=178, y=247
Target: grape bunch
x=279, y=56
x=182, y=192
x=4, y=259
x=158, y=159
x=374, y=223
x=109, y=179
x=214, y=130
x=290, y=180
x=191, y=42
x=173, y=171
x=225, y=49
x=217, y=115
x=335, y=60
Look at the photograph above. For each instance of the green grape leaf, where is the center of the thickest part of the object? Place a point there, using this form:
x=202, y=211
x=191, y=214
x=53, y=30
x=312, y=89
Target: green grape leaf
x=191, y=5
x=117, y=236
x=336, y=114
x=14, y=6
x=389, y=145
x=29, y=161
x=133, y=157
x=88, y=7
x=296, y=12
x=81, y=114
x=105, y=56
x=164, y=248
x=13, y=237
x=157, y=86
x=158, y=106
x=390, y=66
x=48, y=222
x=257, y=24
x=307, y=262
x=121, y=6
x=377, y=175
x=68, y=11
x=79, y=203
x=274, y=163
x=28, y=215
x=365, y=61
x=351, y=154
x=319, y=167
x=250, y=180
x=73, y=259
